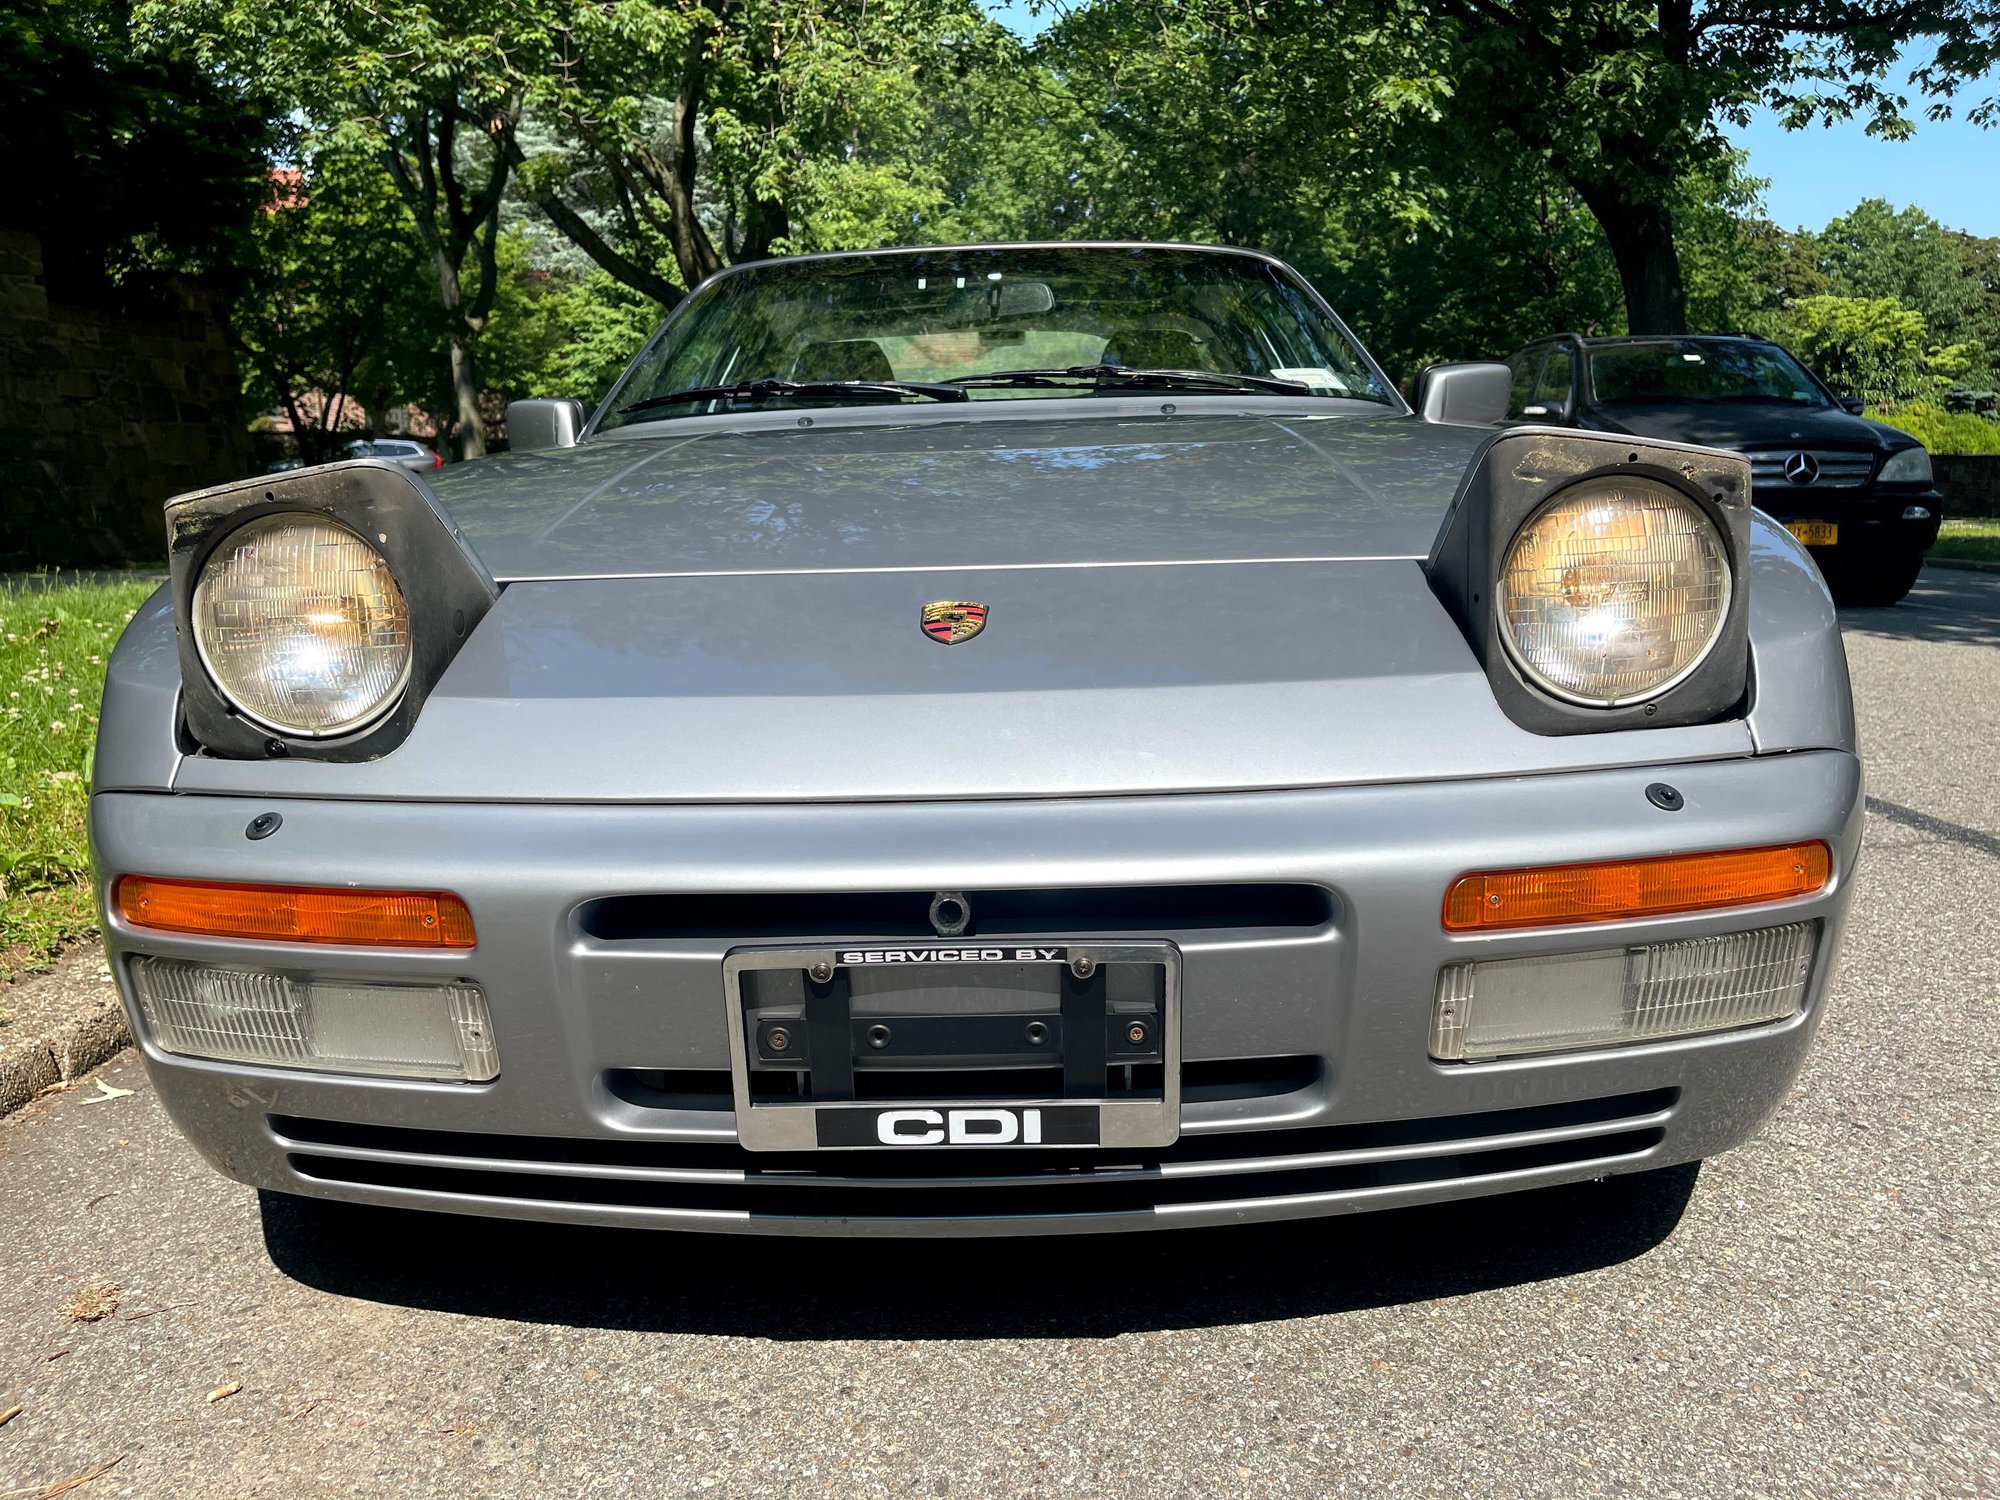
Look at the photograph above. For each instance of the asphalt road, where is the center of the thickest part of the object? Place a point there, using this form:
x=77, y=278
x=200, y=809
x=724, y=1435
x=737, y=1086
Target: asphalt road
x=1818, y=1314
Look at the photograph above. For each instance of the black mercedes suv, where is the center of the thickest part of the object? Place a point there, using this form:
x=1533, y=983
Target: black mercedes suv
x=1856, y=492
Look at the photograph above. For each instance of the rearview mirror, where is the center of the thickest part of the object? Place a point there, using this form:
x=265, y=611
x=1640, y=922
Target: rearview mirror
x=544, y=424
x=1473, y=394
x=998, y=301
x=1853, y=405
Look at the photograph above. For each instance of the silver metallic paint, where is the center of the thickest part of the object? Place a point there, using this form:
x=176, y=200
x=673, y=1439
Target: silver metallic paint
x=703, y=678
x=566, y=1007
x=1004, y=484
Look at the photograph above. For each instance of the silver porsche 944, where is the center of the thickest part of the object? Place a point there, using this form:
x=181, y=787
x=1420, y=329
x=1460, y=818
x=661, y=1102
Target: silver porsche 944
x=977, y=741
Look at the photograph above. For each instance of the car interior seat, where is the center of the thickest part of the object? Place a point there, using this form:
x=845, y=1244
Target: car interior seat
x=843, y=359
x=1155, y=349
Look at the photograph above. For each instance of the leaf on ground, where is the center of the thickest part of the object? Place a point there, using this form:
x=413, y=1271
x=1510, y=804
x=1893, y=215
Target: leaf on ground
x=99, y=1299
x=106, y=1091
x=224, y=1390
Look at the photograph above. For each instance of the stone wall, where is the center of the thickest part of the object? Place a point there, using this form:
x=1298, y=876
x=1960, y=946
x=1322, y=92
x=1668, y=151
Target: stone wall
x=1970, y=481
x=104, y=413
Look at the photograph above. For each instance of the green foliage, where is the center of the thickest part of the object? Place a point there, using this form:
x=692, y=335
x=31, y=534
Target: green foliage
x=678, y=138
x=1874, y=348
x=129, y=165
x=337, y=301
x=1876, y=251
x=558, y=333
x=53, y=644
x=430, y=88
x=1939, y=430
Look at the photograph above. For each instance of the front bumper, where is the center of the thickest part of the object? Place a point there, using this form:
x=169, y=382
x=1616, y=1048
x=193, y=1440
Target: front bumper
x=1869, y=519
x=1308, y=1086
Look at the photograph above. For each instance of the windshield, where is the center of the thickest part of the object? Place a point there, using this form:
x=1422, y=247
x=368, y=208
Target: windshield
x=978, y=315
x=1700, y=370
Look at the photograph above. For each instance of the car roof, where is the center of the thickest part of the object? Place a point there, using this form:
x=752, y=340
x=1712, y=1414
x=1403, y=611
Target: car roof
x=1614, y=341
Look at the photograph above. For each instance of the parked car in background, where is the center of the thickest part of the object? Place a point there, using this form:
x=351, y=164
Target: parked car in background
x=408, y=452
x=1858, y=493
x=1006, y=739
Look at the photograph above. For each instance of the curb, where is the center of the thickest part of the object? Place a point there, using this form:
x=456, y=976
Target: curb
x=61, y=1059
x=1968, y=564
x=67, y=1048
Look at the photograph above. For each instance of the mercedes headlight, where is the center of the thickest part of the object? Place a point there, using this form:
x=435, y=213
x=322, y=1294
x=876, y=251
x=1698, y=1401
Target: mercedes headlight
x=1911, y=466
x=300, y=622
x=1613, y=591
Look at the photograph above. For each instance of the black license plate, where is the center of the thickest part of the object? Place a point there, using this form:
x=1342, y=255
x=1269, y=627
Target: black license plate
x=974, y=1045
x=982, y=1127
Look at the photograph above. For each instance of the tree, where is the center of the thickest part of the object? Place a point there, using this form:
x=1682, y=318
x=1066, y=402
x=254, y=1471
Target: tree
x=671, y=140
x=1874, y=348
x=334, y=301
x=1875, y=251
x=129, y=165
x=1623, y=99
x=557, y=332
x=431, y=90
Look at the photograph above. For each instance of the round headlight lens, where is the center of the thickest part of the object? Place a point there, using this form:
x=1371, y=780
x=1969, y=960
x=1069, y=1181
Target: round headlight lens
x=1613, y=591
x=302, y=624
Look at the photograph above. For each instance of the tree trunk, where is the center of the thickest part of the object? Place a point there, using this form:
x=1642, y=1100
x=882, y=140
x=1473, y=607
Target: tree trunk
x=1642, y=243
x=465, y=388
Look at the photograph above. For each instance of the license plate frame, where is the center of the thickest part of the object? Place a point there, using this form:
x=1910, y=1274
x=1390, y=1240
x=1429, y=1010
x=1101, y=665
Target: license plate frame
x=1032, y=1121
x=1815, y=533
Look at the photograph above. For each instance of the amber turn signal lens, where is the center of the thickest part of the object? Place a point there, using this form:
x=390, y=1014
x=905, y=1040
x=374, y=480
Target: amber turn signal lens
x=296, y=913
x=1555, y=895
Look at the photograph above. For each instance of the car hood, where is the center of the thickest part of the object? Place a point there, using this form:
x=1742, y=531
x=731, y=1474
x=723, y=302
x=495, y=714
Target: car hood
x=854, y=492
x=1212, y=605
x=1743, y=425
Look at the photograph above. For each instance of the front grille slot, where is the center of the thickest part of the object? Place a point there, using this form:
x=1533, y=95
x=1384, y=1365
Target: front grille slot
x=1208, y=1082
x=767, y=1196
x=862, y=915
x=1838, y=469
x=699, y=1177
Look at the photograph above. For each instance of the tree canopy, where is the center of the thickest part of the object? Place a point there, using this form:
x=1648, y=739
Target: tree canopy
x=130, y=164
x=1460, y=176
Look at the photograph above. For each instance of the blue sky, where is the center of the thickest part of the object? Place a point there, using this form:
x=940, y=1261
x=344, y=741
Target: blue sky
x=1951, y=170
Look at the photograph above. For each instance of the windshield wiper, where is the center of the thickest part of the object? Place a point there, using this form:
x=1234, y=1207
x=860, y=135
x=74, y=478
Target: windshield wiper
x=1098, y=375
x=770, y=388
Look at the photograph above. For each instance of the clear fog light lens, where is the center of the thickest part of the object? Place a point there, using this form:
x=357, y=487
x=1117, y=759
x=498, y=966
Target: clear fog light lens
x=303, y=625
x=1613, y=591
x=1502, y=1007
x=334, y=1025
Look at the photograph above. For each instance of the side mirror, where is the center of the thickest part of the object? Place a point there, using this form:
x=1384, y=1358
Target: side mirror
x=1853, y=405
x=1473, y=394
x=544, y=424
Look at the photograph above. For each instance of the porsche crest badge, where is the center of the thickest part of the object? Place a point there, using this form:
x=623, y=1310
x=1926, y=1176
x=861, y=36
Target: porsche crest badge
x=949, y=621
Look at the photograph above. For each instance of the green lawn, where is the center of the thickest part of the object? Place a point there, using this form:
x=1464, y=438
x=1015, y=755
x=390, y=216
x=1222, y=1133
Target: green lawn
x=53, y=643
x=1969, y=538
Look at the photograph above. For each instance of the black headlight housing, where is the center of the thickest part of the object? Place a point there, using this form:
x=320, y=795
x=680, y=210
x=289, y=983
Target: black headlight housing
x=1513, y=477
x=448, y=590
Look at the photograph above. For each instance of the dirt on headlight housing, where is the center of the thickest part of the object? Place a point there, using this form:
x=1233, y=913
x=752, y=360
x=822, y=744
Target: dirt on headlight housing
x=384, y=507
x=1527, y=473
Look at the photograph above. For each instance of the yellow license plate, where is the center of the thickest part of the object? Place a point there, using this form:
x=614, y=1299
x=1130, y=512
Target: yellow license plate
x=1815, y=533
